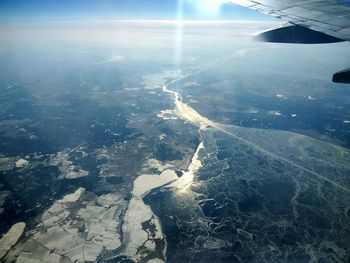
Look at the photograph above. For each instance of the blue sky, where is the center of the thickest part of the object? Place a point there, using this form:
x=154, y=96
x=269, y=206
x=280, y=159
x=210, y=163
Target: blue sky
x=120, y=9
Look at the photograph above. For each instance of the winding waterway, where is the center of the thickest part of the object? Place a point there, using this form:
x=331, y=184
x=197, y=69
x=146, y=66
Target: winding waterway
x=138, y=211
x=187, y=113
x=135, y=236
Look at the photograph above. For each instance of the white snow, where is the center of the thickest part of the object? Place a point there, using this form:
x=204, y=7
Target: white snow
x=21, y=163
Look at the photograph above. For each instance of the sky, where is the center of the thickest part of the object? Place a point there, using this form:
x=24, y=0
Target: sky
x=122, y=9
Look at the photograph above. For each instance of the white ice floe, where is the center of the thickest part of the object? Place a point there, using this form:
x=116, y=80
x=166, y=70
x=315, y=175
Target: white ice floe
x=281, y=96
x=145, y=183
x=138, y=213
x=275, y=113
x=137, y=239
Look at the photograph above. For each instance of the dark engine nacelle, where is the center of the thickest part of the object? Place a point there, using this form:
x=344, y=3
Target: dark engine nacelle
x=342, y=76
x=295, y=34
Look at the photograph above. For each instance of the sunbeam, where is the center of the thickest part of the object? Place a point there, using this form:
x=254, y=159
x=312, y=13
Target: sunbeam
x=178, y=33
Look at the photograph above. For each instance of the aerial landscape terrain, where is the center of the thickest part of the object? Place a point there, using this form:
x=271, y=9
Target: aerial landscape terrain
x=159, y=141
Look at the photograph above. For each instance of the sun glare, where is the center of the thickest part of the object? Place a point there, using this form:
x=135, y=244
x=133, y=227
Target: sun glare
x=208, y=7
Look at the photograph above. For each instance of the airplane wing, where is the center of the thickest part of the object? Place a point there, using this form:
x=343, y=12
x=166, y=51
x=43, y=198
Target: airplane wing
x=311, y=21
x=331, y=17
